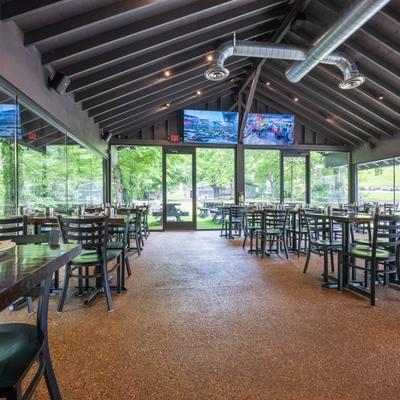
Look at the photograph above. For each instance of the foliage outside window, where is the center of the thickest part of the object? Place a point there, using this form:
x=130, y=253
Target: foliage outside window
x=376, y=181
x=215, y=180
x=137, y=179
x=329, y=177
x=262, y=175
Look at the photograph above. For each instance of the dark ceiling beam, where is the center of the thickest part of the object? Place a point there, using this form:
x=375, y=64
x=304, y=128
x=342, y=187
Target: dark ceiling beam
x=169, y=56
x=113, y=36
x=303, y=109
x=391, y=14
x=155, y=114
x=277, y=38
x=177, y=63
x=80, y=21
x=365, y=29
x=301, y=38
x=127, y=117
x=318, y=105
x=315, y=126
x=136, y=90
x=378, y=63
x=330, y=105
x=113, y=107
x=183, y=37
x=345, y=99
x=16, y=8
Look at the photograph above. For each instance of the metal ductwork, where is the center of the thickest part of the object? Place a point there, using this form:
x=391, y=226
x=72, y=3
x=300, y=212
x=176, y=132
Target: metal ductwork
x=321, y=51
x=356, y=14
x=217, y=72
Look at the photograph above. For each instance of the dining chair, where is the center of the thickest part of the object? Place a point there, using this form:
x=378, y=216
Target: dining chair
x=380, y=259
x=92, y=234
x=13, y=226
x=321, y=240
x=252, y=223
x=273, y=232
x=21, y=345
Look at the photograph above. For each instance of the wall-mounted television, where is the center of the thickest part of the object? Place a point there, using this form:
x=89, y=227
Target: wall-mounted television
x=10, y=121
x=269, y=129
x=218, y=127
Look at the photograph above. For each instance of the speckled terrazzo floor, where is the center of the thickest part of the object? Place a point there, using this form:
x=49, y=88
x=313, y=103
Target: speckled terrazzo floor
x=204, y=320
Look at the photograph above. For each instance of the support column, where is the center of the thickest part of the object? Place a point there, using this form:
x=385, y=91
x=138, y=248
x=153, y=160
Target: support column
x=239, y=172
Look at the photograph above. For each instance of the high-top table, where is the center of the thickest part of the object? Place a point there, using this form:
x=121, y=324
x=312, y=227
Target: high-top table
x=346, y=220
x=22, y=269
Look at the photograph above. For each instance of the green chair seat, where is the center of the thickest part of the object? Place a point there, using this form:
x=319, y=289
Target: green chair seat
x=19, y=345
x=274, y=231
x=366, y=252
x=91, y=257
x=327, y=243
x=116, y=245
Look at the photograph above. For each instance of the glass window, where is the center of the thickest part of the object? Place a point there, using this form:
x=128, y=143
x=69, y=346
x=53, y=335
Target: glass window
x=85, y=176
x=137, y=178
x=376, y=181
x=215, y=180
x=329, y=177
x=42, y=171
x=262, y=176
x=294, y=178
x=9, y=122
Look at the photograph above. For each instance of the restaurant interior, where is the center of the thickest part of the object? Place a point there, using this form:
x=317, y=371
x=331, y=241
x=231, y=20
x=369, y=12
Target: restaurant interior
x=199, y=199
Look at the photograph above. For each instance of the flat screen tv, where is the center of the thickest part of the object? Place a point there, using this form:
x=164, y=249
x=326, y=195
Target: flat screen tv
x=219, y=127
x=10, y=121
x=269, y=129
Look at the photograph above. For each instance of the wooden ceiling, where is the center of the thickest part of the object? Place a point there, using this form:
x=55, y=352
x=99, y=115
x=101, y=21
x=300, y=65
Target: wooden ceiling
x=127, y=59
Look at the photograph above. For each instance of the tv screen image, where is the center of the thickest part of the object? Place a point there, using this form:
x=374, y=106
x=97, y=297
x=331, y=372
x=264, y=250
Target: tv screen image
x=269, y=129
x=10, y=121
x=200, y=126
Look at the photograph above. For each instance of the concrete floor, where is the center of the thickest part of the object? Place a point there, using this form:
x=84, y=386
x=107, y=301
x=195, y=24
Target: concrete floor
x=205, y=320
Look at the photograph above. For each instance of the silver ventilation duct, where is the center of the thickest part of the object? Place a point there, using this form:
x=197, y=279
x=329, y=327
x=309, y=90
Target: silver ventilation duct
x=217, y=72
x=322, y=50
x=356, y=14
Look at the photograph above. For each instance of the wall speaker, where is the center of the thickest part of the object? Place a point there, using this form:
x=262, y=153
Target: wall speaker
x=106, y=135
x=59, y=82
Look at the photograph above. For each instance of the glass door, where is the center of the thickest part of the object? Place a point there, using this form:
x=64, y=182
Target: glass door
x=179, y=193
x=294, y=179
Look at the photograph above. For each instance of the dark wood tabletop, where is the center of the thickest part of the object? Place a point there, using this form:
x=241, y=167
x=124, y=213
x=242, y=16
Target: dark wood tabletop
x=345, y=218
x=26, y=266
x=42, y=219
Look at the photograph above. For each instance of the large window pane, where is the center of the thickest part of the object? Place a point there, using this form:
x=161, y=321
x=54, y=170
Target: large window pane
x=42, y=172
x=9, y=122
x=261, y=172
x=376, y=181
x=215, y=170
x=294, y=179
x=85, y=176
x=137, y=178
x=329, y=177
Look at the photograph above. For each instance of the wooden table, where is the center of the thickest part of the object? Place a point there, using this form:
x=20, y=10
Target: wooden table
x=22, y=269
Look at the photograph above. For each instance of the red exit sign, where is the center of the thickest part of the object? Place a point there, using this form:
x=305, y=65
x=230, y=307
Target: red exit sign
x=174, y=137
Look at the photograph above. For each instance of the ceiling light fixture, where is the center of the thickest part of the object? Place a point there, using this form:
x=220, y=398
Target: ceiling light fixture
x=268, y=83
x=199, y=93
x=167, y=73
x=210, y=57
x=296, y=99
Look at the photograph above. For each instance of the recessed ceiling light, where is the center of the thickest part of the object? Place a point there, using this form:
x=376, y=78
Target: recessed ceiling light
x=296, y=99
x=167, y=73
x=268, y=83
x=210, y=57
x=199, y=93
x=380, y=97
